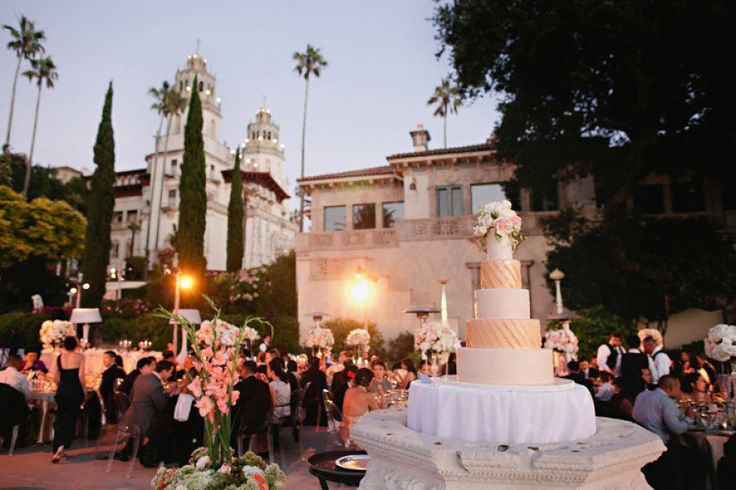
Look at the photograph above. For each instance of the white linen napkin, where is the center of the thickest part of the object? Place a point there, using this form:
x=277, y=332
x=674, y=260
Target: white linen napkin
x=183, y=407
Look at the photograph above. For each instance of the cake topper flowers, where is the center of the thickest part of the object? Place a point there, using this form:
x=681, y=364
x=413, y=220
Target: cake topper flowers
x=498, y=219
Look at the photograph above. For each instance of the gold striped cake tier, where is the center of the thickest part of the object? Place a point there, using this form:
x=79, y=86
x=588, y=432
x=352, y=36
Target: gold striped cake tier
x=500, y=274
x=502, y=333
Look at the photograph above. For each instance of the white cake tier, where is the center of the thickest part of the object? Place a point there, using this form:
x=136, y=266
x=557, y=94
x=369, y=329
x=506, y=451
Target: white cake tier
x=502, y=303
x=559, y=412
x=498, y=249
x=519, y=367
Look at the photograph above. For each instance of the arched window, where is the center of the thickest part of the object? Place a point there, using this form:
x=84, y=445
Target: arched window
x=201, y=86
x=268, y=135
x=181, y=85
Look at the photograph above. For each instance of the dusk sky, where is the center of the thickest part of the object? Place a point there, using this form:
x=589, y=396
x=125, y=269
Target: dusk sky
x=382, y=69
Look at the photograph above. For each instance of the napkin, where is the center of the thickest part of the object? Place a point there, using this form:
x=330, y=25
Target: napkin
x=183, y=407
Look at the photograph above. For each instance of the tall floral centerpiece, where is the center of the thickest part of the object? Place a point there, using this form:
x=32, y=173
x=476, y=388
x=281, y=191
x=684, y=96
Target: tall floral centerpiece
x=215, y=347
x=655, y=334
x=53, y=333
x=250, y=335
x=360, y=339
x=563, y=340
x=320, y=339
x=434, y=340
x=720, y=344
x=498, y=220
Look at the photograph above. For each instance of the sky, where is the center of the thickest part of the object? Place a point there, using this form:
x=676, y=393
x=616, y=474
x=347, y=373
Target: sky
x=381, y=70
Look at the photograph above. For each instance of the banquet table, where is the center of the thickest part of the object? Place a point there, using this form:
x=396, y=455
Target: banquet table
x=93, y=359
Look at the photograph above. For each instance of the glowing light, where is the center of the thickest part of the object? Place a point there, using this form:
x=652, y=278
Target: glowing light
x=186, y=282
x=73, y=290
x=360, y=289
x=85, y=285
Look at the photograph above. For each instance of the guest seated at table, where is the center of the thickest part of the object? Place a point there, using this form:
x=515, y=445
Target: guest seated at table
x=424, y=368
x=406, y=374
x=358, y=401
x=251, y=410
x=619, y=406
x=280, y=390
x=685, y=365
x=705, y=368
x=379, y=378
x=604, y=390
x=695, y=388
x=68, y=373
x=449, y=368
x=575, y=375
x=145, y=365
x=342, y=358
x=33, y=363
x=12, y=376
x=679, y=467
x=314, y=380
x=293, y=368
x=726, y=468
x=111, y=373
x=586, y=369
x=341, y=382
x=148, y=400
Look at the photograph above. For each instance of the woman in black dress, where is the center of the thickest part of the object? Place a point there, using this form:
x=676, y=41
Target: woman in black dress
x=69, y=377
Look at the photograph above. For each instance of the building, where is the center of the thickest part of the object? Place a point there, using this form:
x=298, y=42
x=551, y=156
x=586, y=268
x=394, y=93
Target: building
x=408, y=225
x=147, y=199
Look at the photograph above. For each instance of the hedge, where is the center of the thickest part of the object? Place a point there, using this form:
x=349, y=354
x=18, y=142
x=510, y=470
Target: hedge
x=19, y=330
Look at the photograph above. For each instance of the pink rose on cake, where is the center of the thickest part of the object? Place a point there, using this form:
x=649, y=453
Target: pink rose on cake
x=499, y=219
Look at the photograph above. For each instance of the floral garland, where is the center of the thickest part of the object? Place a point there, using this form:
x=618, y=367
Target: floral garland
x=720, y=342
x=499, y=218
x=320, y=338
x=435, y=338
x=54, y=332
x=248, y=472
x=361, y=338
x=215, y=345
x=563, y=340
x=653, y=333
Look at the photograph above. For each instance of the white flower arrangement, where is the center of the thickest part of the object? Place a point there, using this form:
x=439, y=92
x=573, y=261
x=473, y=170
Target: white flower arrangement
x=435, y=337
x=719, y=344
x=563, y=340
x=653, y=333
x=320, y=338
x=227, y=334
x=359, y=337
x=54, y=332
x=250, y=334
x=498, y=218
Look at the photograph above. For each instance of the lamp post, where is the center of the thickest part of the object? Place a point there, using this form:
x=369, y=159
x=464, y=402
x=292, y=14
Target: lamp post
x=71, y=294
x=84, y=286
x=557, y=276
x=182, y=282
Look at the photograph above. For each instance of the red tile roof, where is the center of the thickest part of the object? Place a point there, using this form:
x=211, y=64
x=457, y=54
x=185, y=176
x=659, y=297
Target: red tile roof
x=264, y=179
x=363, y=172
x=443, y=151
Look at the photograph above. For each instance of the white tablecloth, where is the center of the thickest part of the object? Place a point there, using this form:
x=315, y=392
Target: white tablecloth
x=501, y=414
x=93, y=360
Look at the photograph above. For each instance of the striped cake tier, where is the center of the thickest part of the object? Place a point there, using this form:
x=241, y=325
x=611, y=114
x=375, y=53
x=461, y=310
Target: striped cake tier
x=502, y=333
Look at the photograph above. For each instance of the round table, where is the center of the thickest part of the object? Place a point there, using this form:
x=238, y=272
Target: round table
x=322, y=465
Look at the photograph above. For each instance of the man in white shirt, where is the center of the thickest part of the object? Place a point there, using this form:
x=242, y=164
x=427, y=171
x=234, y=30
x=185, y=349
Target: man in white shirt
x=662, y=362
x=12, y=376
x=609, y=354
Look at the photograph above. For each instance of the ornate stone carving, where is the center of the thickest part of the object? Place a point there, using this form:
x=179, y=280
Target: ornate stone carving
x=401, y=458
x=329, y=268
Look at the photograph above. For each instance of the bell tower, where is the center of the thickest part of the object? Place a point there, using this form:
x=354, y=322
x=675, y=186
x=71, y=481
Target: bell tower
x=206, y=82
x=263, y=149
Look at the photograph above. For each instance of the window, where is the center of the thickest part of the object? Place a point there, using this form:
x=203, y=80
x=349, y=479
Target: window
x=174, y=164
x=334, y=218
x=132, y=216
x=450, y=201
x=687, y=197
x=482, y=194
x=201, y=86
x=172, y=194
x=545, y=198
x=392, y=212
x=115, y=250
x=649, y=199
x=364, y=216
x=119, y=217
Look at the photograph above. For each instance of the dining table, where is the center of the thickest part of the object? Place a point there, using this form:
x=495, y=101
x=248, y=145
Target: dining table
x=42, y=395
x=93, y=359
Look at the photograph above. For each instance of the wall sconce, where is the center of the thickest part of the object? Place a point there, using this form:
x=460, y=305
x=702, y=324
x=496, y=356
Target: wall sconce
x=413, y=185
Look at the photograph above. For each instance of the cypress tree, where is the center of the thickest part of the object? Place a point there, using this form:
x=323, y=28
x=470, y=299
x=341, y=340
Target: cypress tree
x=193, y=203
x=235, y=213
x=100, y=205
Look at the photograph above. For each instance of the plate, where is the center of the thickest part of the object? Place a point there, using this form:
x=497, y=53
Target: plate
x=353, y=462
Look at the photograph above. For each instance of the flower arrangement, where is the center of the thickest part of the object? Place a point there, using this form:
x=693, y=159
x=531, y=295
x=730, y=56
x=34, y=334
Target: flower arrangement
x=498, y=218
x=54, y=332
x=320, y=338
x=125, y=308
x=563, y=340
x=248, y=472
x=250, y=334
x=215, y=346
x=436, y=338
x=360, y=338
x=720, y=342
x=653, y=333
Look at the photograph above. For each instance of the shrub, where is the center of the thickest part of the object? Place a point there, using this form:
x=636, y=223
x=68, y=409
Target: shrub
x=135, y=268
x=401, y=347
x=19, y=330
x=341, y=327
x=143, y=327
x=594, y=327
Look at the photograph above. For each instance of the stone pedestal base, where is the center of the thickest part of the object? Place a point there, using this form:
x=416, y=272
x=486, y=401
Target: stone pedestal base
x=402, y=458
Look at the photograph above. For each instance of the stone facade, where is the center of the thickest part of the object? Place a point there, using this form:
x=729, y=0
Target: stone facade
x=431, y=238
x=149, y=197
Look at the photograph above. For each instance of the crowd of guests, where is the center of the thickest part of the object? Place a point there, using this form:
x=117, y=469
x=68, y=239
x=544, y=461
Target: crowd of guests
x=636, y=380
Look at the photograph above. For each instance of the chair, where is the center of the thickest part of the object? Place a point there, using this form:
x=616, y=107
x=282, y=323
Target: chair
x=124, y=434
x=14, y=410
x=334, y=415
x=244, y=433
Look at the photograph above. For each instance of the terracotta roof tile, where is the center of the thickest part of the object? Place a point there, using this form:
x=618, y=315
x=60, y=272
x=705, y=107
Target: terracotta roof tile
x=363, y=172
x=442, y=151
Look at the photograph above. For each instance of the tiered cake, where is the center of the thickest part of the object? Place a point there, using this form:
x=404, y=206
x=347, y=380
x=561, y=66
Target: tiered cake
x=503, y=343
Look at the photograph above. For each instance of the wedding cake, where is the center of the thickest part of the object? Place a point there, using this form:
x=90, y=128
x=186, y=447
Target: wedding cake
x=503, y=342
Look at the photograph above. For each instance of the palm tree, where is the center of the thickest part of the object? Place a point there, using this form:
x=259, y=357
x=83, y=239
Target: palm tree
x=44, y=71
x=173, y=104
x=26, y=43
x=447, y=98
x=308, y=63
x=159, y=105
x=134, y=227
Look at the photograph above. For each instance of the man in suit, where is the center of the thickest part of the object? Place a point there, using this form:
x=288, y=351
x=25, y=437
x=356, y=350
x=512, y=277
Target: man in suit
x=576, y=376
x=633, y=364
x=586, y=369
x=254, y=402
x=148, y=398
x=111, y=373
x=145, y=365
